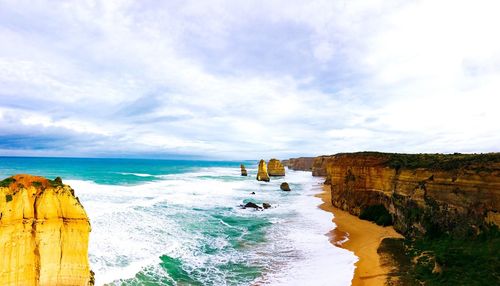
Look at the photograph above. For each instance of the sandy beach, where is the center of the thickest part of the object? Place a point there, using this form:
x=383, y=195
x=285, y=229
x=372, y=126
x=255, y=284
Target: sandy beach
x=364, y=240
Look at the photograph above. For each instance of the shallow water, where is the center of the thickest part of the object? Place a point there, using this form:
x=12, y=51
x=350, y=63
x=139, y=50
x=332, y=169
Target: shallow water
x=160, y=222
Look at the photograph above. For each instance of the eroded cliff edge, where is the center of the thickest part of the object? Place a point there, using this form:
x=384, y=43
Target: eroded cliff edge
x=44, y=233
x=299, y=164
x=456, y=194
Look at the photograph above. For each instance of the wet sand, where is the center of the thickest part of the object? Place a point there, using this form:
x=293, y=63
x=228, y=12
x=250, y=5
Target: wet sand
x=364, y=240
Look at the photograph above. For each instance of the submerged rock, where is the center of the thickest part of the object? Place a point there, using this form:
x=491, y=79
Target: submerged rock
x=285, y=187
x=266, y=205
x=243, y=170
x=44, y=233
x=252, y=205
x=262, y=172
x=275, y=168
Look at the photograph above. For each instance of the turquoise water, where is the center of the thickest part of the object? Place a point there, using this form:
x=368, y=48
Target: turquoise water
x=104, y=171
x=161, y=222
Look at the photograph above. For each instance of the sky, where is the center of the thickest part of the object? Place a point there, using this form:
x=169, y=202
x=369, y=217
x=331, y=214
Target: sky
x=248, y=79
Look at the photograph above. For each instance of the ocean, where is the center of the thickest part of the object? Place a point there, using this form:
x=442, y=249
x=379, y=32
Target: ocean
x=176, y=222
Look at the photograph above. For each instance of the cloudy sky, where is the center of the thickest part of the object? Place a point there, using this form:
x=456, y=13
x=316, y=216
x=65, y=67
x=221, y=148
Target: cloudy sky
x=248, y=79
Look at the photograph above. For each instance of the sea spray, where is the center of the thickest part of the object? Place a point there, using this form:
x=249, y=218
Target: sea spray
x=183, y=225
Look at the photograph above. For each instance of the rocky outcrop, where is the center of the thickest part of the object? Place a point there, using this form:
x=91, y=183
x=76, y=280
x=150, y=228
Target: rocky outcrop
x=44, y=233
x=285, y=187
x=243, y=170
x=299, y=164
x=319, y=165
x=315, y=164
x=251, y=205
x=424, y=193
x=262, y=172
x=275, y=168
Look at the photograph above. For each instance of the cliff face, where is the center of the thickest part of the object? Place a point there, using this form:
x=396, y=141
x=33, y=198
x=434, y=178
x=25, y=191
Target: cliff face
x=454, y=194
x=275, y=168
x=315, y=164
x=44, y=233
x=320, y=165
x=299, y=164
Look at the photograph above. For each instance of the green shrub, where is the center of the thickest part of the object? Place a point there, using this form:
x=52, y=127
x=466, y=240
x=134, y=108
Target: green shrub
x=7, y=182
x=445, y=162
x=57, y=182
x=8, y=198
x=471, y=261
x=37, y=184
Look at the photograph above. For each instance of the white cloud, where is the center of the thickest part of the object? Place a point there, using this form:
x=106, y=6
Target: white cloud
x=153, y=77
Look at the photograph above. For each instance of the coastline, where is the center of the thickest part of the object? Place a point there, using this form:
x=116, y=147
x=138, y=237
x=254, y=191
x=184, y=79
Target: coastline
x=364, y=238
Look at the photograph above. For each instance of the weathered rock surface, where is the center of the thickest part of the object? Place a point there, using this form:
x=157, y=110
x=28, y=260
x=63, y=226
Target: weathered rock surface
x=275, y=168
x=44, y=233
x=285, y=187
x=299, y=164
x=266, y=205
x=262, y=172
x=320, y=164
x=252, y=205
x=243, y=170
x=315, y=164
x=424, y=193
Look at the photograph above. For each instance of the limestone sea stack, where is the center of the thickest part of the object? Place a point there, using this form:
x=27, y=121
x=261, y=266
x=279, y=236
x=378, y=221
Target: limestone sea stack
x=262, y=172
x=275, y=168
x=44, y=233
x=243, y=170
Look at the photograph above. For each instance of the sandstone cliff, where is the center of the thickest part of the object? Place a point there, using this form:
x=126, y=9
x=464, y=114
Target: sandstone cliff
x=320, y=164
x=275, y=168
x=457, y=194
x=262, y=172
x=44, y=233
x=299, y=164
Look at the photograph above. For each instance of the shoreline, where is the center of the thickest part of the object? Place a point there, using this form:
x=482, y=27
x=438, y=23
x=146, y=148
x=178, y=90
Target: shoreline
x=364, y=238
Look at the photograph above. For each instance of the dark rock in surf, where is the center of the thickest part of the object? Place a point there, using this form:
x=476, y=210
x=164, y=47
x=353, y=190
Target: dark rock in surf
x=252, y=205
x=285, y=187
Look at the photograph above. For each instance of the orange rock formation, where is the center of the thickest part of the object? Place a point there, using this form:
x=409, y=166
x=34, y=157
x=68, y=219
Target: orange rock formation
x=455, y=194
x=44, y=233
x=262, y=172
x=275, y=168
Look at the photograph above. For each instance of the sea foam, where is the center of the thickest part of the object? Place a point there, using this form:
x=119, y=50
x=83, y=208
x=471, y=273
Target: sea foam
x=195, y=221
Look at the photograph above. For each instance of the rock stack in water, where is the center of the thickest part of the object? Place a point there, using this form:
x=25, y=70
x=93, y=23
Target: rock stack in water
x=243, y=170
x=285, y=187
x=44, y=233
x=275, y=168
x=262, y=172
